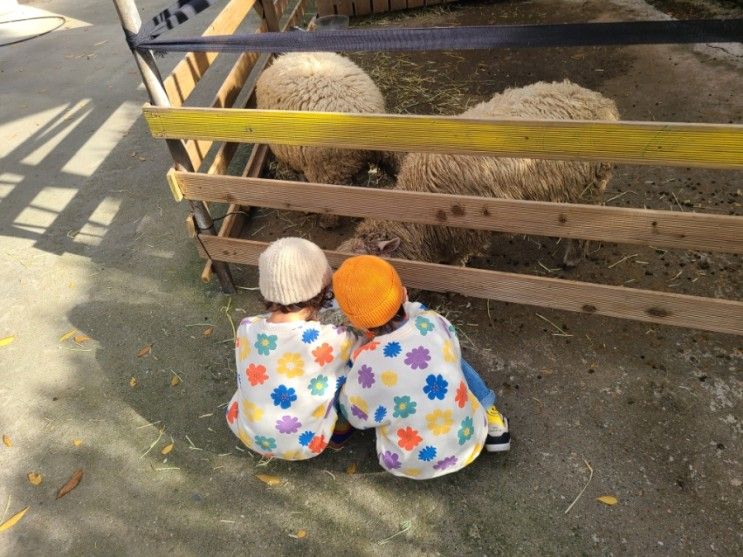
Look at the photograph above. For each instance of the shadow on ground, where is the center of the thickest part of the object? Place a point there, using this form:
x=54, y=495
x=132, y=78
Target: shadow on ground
x=654, y=411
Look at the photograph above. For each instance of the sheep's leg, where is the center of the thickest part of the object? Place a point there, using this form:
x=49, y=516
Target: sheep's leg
x=574, y=252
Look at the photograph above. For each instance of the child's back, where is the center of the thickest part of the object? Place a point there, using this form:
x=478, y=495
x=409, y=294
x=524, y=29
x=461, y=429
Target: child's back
x=289, y=366
x=287, y=376
x=409, y=385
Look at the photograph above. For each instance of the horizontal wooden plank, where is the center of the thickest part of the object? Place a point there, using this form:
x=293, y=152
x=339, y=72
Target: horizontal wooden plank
x=688, y=230
x=711, y=314
x=679, y=144
x=185, y=76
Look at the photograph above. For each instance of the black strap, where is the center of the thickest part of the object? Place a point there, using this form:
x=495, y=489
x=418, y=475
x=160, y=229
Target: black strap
x=465, y=38
x=169, y=18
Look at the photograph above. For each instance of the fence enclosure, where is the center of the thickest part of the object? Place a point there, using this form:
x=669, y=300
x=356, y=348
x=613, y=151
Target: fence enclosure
x=671, y=144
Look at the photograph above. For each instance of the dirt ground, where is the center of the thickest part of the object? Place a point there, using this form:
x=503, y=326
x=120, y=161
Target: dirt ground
x=91, y=241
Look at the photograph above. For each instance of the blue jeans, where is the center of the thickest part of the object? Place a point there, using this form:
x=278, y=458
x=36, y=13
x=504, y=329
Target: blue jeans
x=482, y=392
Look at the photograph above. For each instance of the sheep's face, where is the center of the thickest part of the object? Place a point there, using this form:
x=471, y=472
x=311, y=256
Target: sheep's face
x=370, y=246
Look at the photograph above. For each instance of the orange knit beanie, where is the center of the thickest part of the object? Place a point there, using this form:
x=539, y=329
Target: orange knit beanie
x=368, y=290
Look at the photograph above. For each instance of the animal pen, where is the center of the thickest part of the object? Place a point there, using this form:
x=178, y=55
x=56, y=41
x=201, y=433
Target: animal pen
x=192, y=132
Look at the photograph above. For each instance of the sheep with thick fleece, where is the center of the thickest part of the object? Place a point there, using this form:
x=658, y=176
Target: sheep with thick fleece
x=485, y=176
x=321, y=82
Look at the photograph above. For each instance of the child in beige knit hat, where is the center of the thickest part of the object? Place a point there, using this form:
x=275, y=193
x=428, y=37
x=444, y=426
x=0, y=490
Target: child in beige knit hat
x=289, y=365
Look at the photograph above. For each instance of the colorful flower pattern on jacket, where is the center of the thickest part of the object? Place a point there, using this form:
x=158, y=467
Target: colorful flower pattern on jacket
x=409, y=386
x=287, y=378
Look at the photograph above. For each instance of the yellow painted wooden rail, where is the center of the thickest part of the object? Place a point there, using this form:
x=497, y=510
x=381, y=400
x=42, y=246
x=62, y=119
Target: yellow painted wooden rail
x=725, y=316
x=612, y=224
x=673, y=144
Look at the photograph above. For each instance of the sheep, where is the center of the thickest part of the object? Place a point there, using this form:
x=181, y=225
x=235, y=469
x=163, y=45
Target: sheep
x=323, y=82
x=511, y=178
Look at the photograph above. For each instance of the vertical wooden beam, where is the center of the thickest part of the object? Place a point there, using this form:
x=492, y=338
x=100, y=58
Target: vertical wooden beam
x=362, y=7
x=325, y=7
x=131, y=22
x=345, y=7
x=268, y=12
x=380, y=6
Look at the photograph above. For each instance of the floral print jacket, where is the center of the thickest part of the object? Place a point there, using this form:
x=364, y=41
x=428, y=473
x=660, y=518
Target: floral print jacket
x=409, y=386
x=287, y=378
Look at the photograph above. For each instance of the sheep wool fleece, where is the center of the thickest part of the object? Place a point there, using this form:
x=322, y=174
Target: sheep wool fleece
x=287, y=378
x=409, y=385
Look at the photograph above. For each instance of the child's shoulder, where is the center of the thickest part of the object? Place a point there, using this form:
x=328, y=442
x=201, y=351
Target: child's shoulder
x=312, y=331
x=252, y=320
x=426, y=318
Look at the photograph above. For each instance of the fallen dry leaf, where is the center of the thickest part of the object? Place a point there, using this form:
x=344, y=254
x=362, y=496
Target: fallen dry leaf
x=608, y=500
x=133, y=382
x=13, y=520
x=175, y=380
x=81, y=338
x=68, y=335
x=352, y=468
x=5, y=341
x=7, y=441
x=35, y=478
x=208, y=331
x=167, y=448
x=299, y=535
x=71, y=484
x=77, y=442
x=268, y=479
x=144, y=351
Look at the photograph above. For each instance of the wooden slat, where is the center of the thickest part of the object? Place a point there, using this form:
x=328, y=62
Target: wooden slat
x=415, y=3
x=398, y=5
x=224, y=155
x=362, y=7
x=380, y=6
x=280, y=6
x=225, y=98
x=242, y=77
x=267, y=11
x=724, y=316
x=699, y=231
x=235, y=220
x=325, y=7
x=183, y=79
x=344, y=7
x=673, y=144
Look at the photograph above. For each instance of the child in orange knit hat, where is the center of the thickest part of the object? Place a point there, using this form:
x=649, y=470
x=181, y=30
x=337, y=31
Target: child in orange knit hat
x=432, y=412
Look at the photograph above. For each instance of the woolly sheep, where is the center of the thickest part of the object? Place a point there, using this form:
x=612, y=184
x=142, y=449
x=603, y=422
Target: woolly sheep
x=323, y=82
x=511, y=178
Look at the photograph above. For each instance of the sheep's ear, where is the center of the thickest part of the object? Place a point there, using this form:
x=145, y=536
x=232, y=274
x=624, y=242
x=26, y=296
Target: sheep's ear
x=312, y=25
x=388, y=247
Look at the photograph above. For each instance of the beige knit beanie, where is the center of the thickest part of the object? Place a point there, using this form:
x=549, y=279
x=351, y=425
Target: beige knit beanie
x=292, y=270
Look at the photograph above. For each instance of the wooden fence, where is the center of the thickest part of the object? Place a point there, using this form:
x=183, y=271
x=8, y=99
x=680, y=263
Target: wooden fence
x=367, y=7
x=650, y=143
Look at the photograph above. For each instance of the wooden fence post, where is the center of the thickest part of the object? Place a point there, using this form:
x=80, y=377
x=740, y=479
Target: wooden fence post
x=268, y=10
x=131, y=22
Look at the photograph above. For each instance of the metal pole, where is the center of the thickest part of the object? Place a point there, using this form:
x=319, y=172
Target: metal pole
x=131, y=22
